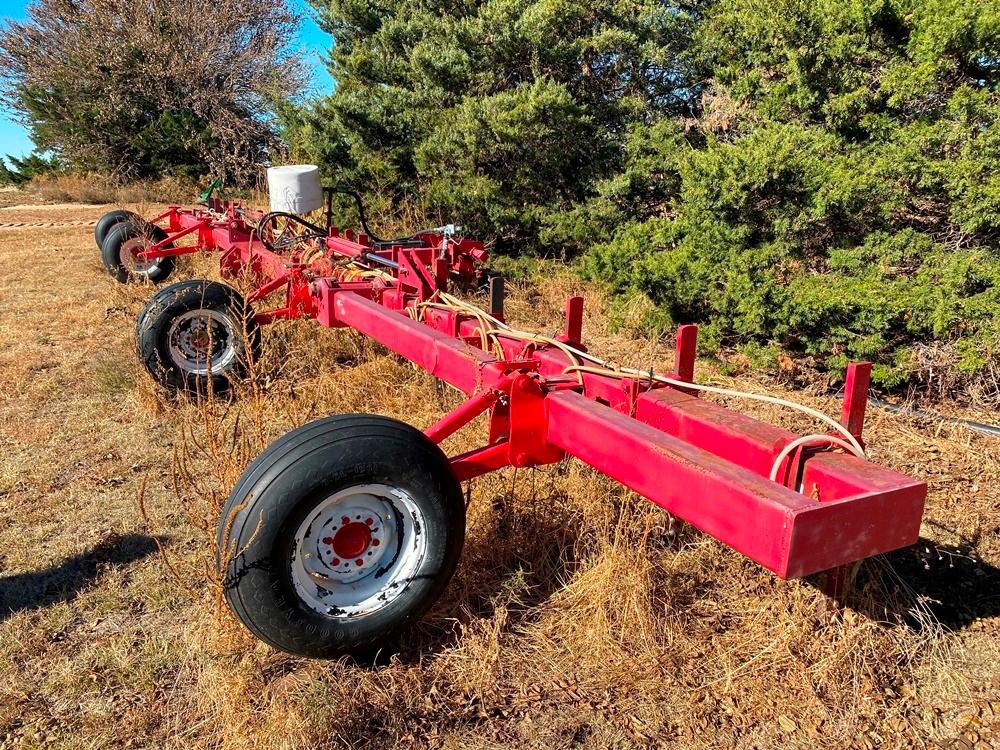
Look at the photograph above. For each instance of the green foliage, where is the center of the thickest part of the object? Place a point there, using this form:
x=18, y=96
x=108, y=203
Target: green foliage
x=845, y=202
x=23, y=170
x=534, y=137
x=504, y=114
x=173, y=143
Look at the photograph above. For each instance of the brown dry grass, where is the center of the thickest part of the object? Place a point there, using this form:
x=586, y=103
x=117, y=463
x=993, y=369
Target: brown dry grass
x=580, y=617
x=96, y=189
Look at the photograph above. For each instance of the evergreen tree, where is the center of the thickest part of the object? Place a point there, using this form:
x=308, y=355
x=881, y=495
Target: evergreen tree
x=22, y=170
x=500, y=113
x=846, y=201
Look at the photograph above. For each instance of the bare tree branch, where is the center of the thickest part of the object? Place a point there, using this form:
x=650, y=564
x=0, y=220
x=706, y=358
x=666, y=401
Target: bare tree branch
x=125, y=86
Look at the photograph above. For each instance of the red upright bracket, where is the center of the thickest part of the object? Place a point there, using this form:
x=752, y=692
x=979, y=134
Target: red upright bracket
x=859, y=375
x=573, y=332
x=528, y=424
x=684, y=354
x=413, y=274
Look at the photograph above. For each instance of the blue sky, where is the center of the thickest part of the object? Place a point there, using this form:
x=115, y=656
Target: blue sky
x=14, y=138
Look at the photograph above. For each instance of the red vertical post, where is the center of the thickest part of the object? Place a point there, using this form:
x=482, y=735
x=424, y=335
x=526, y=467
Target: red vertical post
x=687, y=344
x=574, y=320
x=839, y=581
x=859, y=376
x=441, y=273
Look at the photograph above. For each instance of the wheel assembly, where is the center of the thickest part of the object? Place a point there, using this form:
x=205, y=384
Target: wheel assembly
x=357, y=549
x=109, y=221
x=197, y=336
x=340, y=535
x=121, y=246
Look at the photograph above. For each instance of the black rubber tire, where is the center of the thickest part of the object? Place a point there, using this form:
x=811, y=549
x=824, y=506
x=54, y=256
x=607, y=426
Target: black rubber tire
x=129, y=230
x=108, y=222
x=152, y=331
x=285, y=483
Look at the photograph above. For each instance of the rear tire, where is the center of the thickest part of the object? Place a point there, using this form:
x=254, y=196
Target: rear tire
x=197, y=336
x=121, y=244
x=109, y=221
x=340, y=536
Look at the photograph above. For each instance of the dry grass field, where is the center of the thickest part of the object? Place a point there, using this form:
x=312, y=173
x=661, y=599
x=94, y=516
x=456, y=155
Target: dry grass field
x=580, y=616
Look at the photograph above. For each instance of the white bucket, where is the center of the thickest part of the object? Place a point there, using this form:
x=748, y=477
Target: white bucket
x=295, y=188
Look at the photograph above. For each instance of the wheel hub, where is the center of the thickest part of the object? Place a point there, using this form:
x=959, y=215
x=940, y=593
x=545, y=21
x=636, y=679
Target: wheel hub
x=201, y=341
x=351, y=539
x=357, y=550
x=352, y=542
x=129, y=257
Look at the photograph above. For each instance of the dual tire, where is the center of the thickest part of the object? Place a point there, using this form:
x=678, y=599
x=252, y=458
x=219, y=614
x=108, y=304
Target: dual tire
x=119, y=236
x=109, y=221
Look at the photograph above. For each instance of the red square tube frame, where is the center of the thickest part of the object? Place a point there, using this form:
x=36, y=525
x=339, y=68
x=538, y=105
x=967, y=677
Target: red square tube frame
x=705, y=463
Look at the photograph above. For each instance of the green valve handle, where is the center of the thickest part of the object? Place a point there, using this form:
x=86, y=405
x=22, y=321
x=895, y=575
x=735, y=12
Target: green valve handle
x=207, y=195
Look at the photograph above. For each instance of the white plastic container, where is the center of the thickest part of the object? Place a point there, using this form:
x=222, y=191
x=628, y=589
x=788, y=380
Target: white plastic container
x=295, y=188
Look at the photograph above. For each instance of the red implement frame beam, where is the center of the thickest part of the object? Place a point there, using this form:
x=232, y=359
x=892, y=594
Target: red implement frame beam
x=784, y=531
x=705, y=463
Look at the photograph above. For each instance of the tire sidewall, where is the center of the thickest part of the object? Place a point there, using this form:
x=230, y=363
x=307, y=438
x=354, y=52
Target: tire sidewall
x=258, y=581
x=109, y=221
x=153, y=331
x=121, y=233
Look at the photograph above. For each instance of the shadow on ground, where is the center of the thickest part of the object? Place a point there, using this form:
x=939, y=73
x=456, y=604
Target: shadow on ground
x=63, y=581
x=929, y=584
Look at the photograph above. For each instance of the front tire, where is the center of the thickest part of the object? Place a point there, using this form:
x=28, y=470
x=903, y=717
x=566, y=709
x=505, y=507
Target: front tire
x=340, y=536
x=197, y=336
x=119, y=249
x=109, y=221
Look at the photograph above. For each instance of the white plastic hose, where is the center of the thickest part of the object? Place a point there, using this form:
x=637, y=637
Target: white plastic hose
x=810, y=440
x=848, y=442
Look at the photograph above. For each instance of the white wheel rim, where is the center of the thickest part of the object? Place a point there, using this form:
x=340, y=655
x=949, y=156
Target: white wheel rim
x=202, y=342
x=358, y=551
x=132, y=264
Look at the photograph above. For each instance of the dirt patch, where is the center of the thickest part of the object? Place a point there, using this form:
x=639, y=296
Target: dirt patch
x=41, y=216
x=62, y=208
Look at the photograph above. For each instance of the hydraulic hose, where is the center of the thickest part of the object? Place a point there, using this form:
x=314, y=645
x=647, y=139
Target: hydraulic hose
x=985, y=429
x=410, y=238
x=269, y=217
